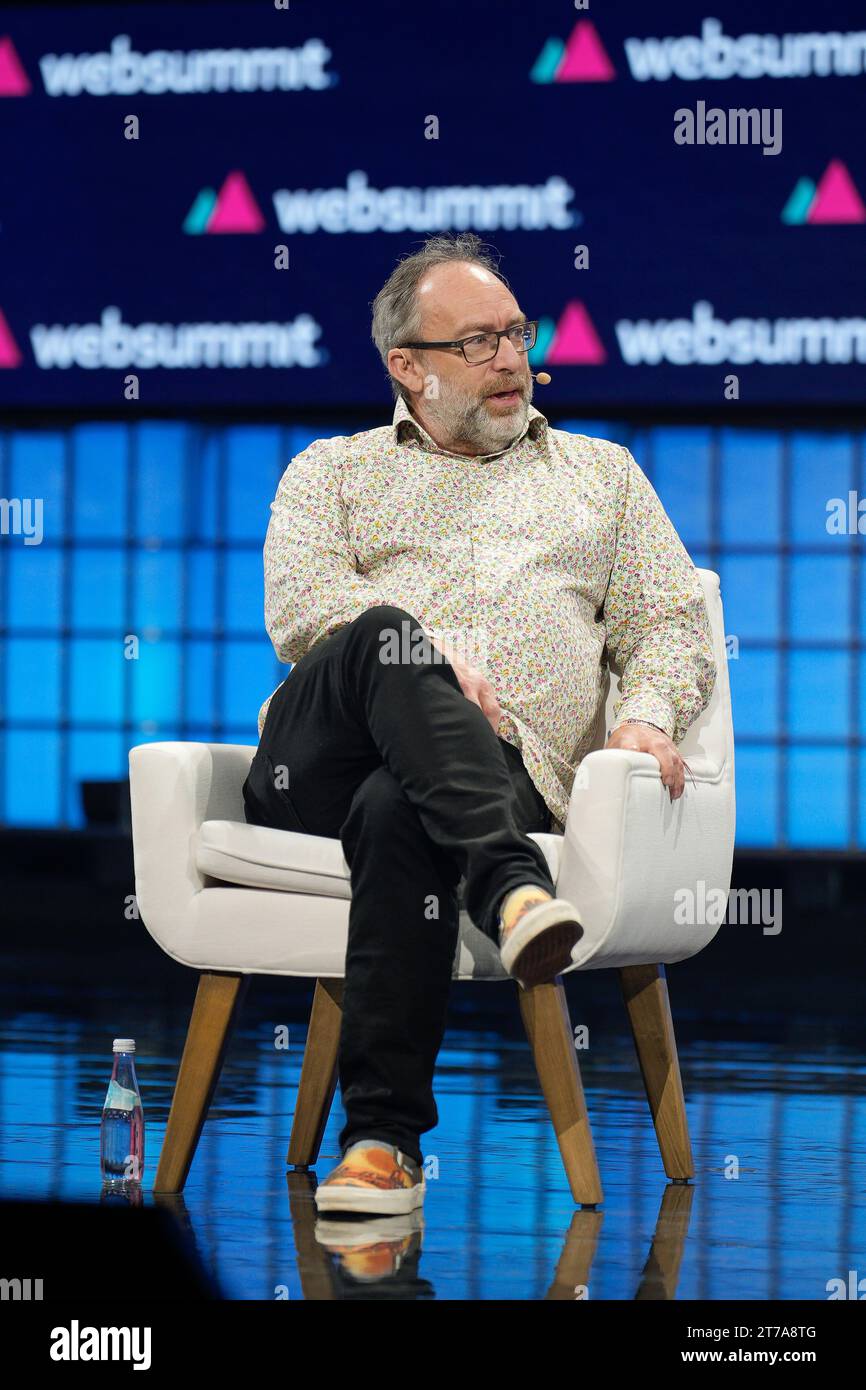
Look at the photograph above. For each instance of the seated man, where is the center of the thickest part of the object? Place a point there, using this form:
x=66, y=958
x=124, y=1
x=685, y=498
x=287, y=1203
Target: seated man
x=445, y=587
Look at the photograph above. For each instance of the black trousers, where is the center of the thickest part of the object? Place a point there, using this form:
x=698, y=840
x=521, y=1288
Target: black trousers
x=396, y=762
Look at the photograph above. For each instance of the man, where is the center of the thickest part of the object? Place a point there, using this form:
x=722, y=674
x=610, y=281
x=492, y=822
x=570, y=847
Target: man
x=391, y=557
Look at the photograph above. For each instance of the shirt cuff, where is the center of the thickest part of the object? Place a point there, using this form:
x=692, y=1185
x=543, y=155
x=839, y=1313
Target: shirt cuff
x=651, y=708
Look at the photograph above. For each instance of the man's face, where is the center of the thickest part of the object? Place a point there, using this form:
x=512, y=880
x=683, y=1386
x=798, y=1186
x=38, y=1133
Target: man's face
x=475, y=408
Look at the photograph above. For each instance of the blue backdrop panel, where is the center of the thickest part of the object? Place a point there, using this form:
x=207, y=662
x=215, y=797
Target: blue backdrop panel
x=175, y=559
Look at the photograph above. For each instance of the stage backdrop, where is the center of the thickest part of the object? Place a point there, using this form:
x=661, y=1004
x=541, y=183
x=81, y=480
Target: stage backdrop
x=154, y=529
x=207, y=197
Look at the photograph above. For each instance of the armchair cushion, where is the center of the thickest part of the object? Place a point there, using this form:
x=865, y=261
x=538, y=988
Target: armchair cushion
x=258, y=857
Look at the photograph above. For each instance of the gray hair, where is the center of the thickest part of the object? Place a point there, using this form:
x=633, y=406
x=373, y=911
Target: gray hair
x=396, y=313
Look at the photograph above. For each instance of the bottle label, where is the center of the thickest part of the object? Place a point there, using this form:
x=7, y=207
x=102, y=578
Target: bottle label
x=120, y=1098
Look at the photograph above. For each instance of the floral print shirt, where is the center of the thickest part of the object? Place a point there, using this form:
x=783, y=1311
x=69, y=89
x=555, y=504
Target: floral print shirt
x=538, y=563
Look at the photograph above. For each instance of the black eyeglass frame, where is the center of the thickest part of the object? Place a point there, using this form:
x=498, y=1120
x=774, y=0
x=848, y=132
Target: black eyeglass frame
x=500, y=334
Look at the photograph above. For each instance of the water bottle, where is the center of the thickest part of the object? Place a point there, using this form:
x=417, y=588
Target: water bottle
x=121, y=1141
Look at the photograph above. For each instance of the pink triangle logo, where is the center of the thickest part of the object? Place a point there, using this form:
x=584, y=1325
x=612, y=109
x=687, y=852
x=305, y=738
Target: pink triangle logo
x=836, y=199
x=14, y=81
x=236, y=210
x=10, y=355
x=575, y=342
x=585, y=59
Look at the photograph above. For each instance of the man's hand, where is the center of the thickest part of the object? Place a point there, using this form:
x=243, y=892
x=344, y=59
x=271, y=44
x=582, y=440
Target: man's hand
x=475, y=687
x=643, y=738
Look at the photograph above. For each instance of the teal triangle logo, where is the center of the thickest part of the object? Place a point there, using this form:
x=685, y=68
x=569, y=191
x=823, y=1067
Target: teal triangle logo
x=196, y=219
x=797, y=207
x=543, y=339
x=548, y=60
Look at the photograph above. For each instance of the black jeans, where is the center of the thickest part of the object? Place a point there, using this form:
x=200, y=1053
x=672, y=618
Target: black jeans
x=397, y=763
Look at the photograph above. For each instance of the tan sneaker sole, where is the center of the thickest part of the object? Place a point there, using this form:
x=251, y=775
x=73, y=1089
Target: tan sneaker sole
x=394, y=1201
x=540, y=946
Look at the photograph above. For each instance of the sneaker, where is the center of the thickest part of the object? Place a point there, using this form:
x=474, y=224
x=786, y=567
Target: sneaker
x=373, y=1176
x=537, y=934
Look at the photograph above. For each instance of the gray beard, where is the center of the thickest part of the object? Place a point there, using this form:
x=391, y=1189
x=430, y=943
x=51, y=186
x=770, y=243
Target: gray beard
x=469, y=422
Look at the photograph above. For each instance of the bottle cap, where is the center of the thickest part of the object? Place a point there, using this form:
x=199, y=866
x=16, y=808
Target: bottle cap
x=124, y=1044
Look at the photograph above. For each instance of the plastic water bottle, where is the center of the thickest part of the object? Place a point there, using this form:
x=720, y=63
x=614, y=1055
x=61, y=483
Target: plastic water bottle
x=121, y=1140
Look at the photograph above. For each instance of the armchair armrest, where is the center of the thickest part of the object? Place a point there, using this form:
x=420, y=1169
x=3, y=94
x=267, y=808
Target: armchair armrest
x=173, y=788
x=633, y=862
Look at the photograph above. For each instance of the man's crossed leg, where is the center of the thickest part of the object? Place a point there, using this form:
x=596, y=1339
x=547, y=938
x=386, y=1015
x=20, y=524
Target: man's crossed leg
x=392, y=759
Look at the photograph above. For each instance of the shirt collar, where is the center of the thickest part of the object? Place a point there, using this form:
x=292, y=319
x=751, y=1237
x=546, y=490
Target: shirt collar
x=407, y=427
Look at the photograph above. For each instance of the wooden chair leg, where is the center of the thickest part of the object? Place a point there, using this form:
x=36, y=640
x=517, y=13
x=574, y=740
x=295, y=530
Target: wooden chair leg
x=318, y=1074
x=217, y=1003
x=545, y=1016
x=645, y=991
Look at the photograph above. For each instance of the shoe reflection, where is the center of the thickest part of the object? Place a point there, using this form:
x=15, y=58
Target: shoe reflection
x=373, y=1247
x=352, y=1255
x=364, y=1257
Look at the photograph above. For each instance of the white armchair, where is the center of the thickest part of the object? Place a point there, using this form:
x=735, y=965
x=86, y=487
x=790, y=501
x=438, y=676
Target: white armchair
x=233, y=900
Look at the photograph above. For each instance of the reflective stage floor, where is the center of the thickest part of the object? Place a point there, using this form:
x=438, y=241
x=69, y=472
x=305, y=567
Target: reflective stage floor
x=776, y=1210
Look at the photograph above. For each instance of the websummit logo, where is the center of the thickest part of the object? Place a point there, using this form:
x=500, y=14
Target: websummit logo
x=14, y=81
x=10, y=355
x=571, y=342
x=582, y=58
x=233, y=209
x=695, y=57
x=834, y=200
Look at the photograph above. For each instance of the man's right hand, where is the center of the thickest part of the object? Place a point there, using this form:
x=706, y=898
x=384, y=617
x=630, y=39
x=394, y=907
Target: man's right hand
x=474, y=685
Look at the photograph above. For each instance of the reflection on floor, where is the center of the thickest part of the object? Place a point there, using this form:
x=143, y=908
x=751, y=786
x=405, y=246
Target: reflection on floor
x=776, y=1209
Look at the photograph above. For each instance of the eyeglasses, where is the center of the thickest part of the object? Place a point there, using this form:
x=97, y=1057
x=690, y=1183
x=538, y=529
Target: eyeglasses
x=481, y=347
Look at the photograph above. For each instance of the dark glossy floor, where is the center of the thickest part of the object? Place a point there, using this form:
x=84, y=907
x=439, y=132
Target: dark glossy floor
x=786, y=1112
